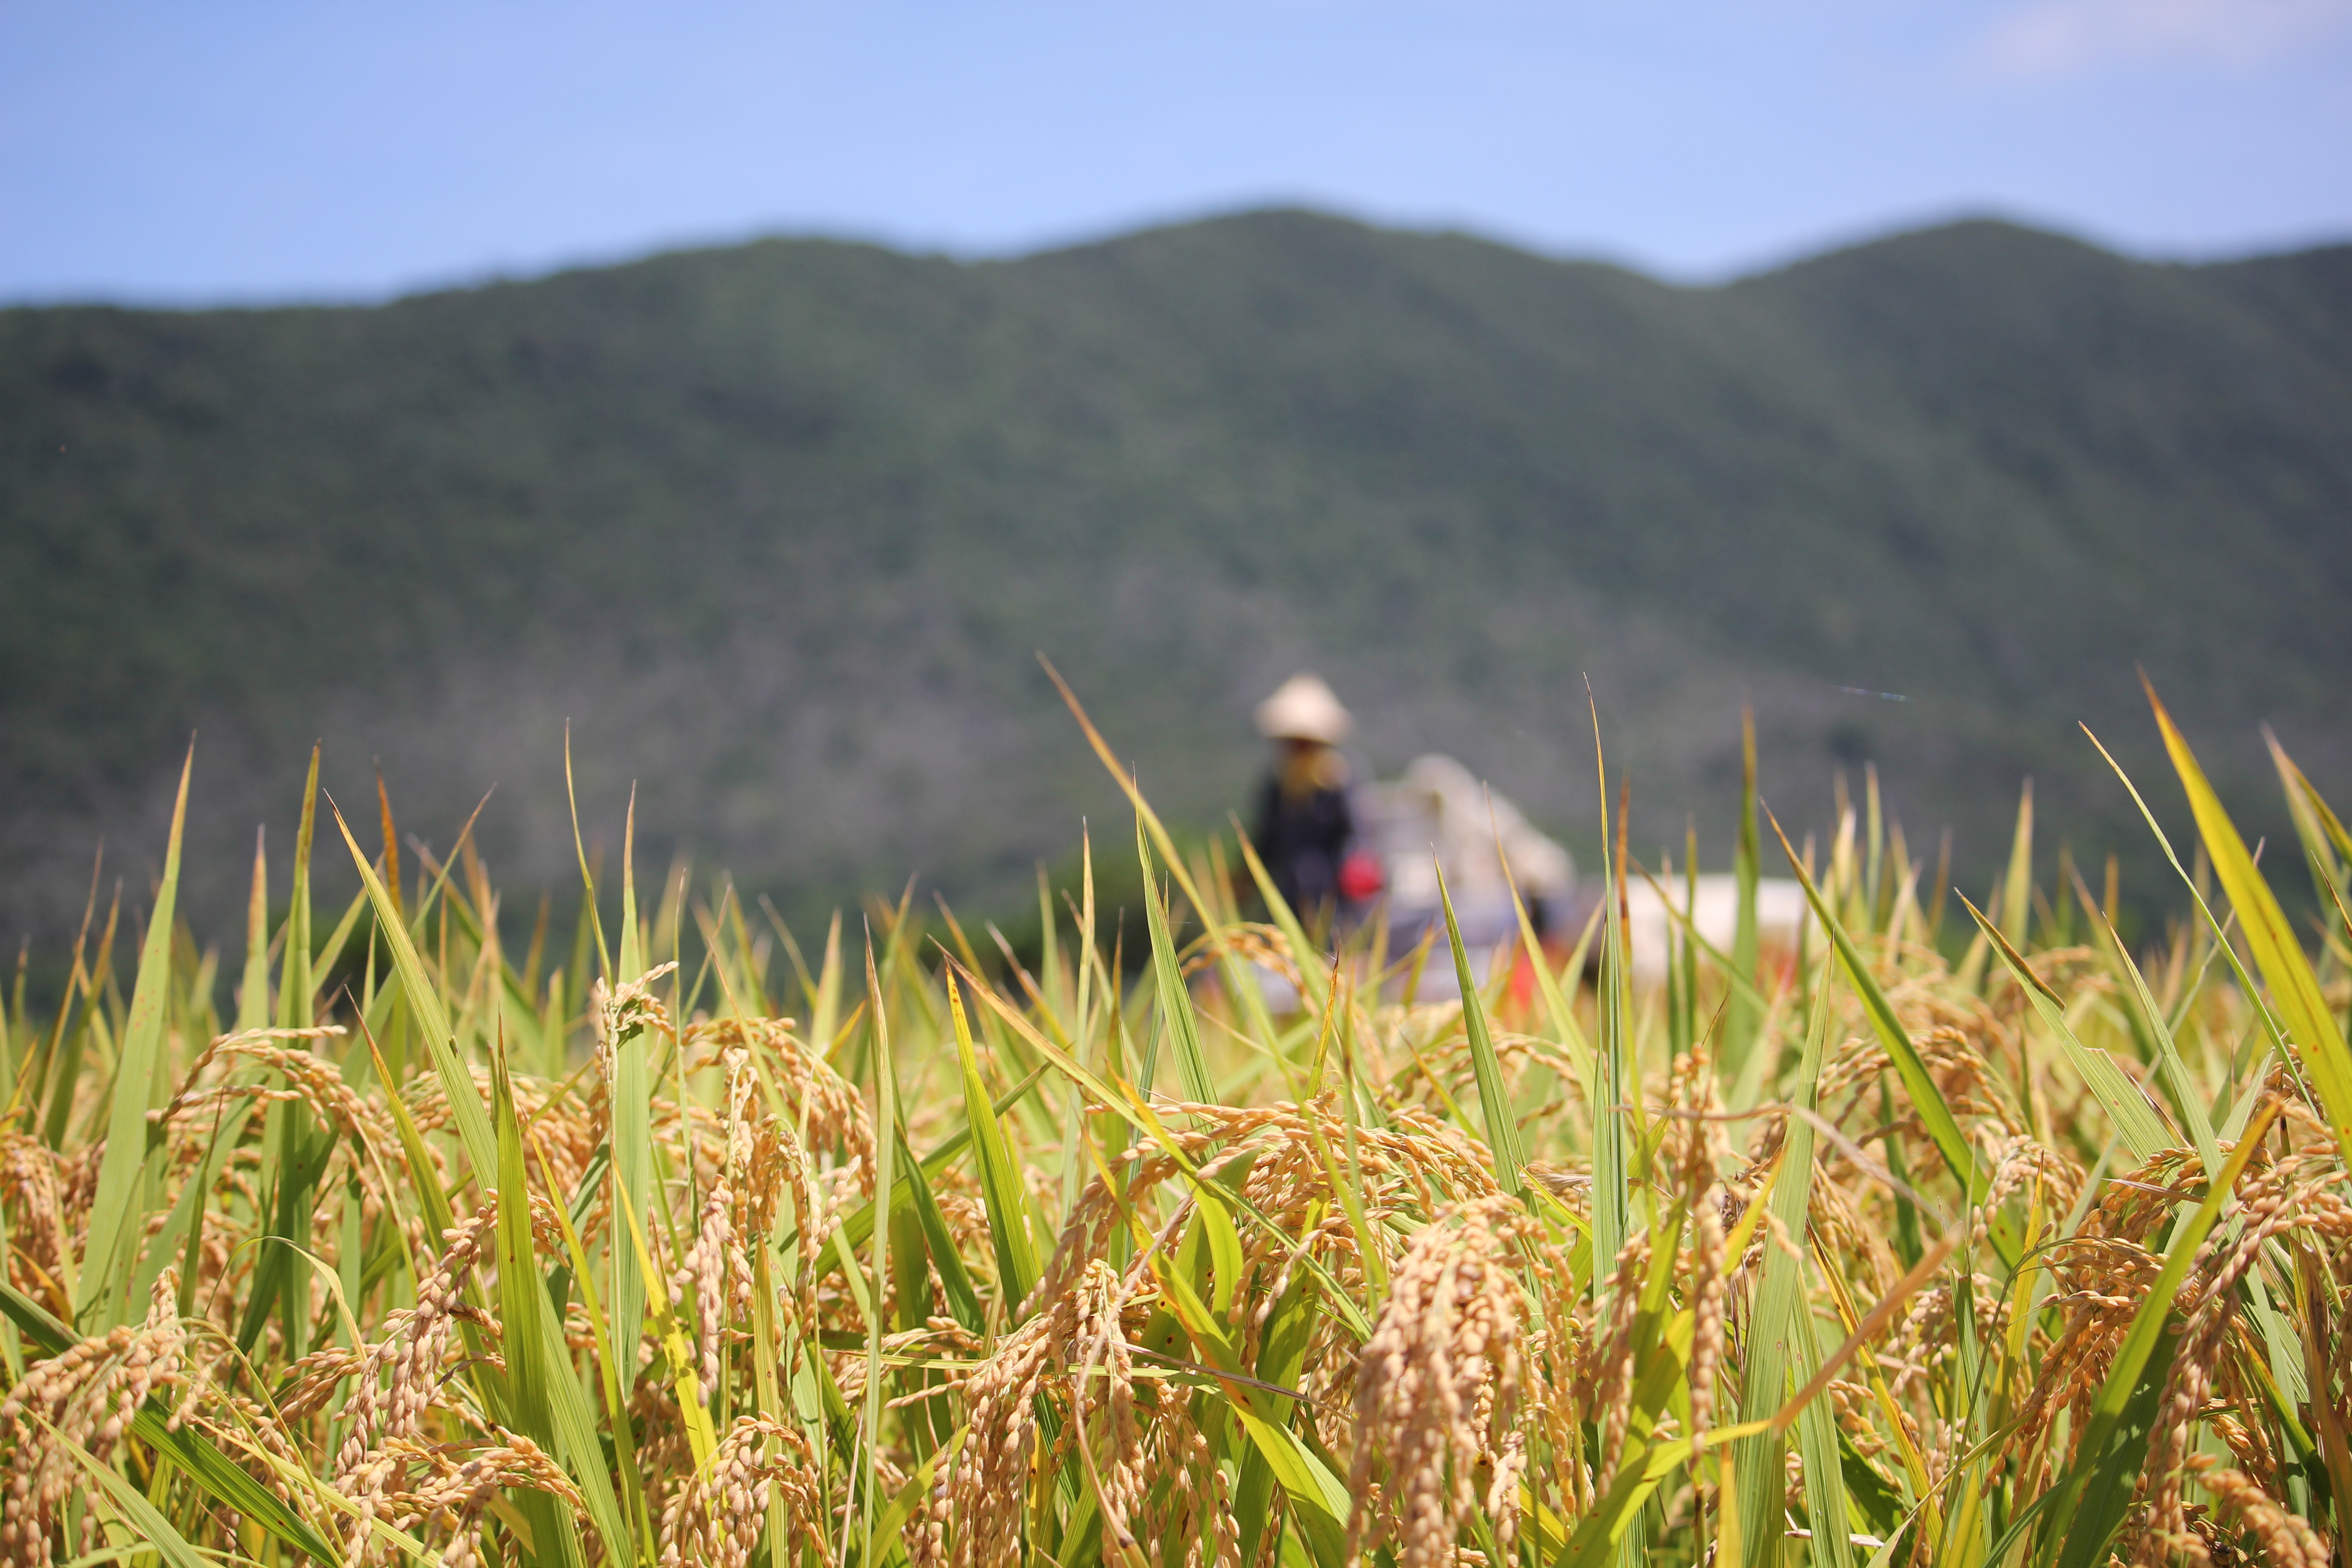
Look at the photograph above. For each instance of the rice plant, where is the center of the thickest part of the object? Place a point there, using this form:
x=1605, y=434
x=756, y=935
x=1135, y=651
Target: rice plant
x=691, y=1244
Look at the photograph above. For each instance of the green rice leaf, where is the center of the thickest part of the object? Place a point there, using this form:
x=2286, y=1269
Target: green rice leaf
x=1827, y=1486
x=1927, y=1099
x=1565, y=1029
x=1148, y=819
x=917, y=1491
x=253, y=990
x=1779, y=1330
x=188, y=1215
x=534, y=1344
x=2220, y=947
x=1613, y=1065
x=1493, y=1095
x=1742, y=1016
x=2089, y=1513
x=886, y=1146
x=213, y=1471
x=1695, y=942
x=1176, y=1013
x=677, y=1349
x=2017, y=883
x=293, y=1157
x=857, y=1225
x=1000, y=1178
x=632, y=1496
x=1303, y=951
x=955, y=1279
x=147, y=1523
x=1601, y=1531
x=2142, y=1129
x=2148, y=1022
x=473, y=1123
x=2293, y=985
x=632, y=1157
x=331, y=952
x=123, y=1175
x=1318, y=1500
x=1221, y=1244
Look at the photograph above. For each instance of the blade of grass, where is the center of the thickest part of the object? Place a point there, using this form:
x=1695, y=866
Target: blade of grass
x=1826, y=1496
x=226, y=1136
x=69, y=1052
x=52, y=1105
x=595, y=921
x=280, y=1259
x=1318, y=1498
x=2155, y=1033
x=1610, y=1527
x=1680, y=919
x=294, y=986
x=1557, y=1007
x=917, y=1491
x=2323, y=815
x=331, y=952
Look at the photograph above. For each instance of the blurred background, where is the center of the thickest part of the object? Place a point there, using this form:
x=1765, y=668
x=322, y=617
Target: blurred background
x=759, y=389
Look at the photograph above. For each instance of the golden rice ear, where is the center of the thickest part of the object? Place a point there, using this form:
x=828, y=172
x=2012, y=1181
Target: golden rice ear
x=1438, y=1389
x=1092, y=1260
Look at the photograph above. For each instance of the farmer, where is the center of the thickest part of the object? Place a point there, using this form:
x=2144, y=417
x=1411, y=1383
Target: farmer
x=1305, y=828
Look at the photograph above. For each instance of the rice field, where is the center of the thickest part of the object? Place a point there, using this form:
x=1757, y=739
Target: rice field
x=1959, y=1236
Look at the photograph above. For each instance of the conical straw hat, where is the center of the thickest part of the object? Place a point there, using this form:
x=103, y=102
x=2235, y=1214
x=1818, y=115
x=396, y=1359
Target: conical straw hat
x=1303, y=709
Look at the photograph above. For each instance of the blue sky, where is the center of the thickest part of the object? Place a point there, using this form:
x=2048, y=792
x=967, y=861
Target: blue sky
x=227, y=150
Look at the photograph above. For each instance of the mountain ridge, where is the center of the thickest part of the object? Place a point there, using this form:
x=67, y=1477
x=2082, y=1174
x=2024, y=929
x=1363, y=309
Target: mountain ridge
x=838, y=495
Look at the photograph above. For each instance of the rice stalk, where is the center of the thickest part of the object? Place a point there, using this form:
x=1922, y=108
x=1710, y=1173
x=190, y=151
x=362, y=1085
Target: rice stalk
x=1068, y=1264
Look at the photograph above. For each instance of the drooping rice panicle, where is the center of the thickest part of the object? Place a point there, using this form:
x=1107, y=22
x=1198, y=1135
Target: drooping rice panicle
x=1100, y=1260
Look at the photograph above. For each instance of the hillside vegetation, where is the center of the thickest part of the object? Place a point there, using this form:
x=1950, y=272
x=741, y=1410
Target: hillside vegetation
x=778, y=529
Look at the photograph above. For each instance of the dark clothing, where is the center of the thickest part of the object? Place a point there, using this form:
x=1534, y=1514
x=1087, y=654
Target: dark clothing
x=1302, y=837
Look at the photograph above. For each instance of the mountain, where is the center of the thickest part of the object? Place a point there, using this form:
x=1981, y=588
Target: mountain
x=779, y=527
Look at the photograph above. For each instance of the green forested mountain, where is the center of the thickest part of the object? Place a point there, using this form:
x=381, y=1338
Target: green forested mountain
x=778, y=529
